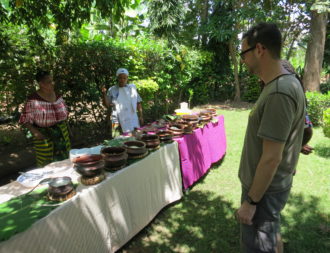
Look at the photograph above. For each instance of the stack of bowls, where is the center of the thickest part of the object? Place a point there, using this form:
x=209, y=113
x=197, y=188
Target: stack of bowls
x=165, y=136
x=205, y=117
x=151, y=140
x=88, y=165
x=177, y=130
x=115, y=158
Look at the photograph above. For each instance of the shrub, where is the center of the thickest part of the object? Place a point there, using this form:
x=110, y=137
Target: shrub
x=325, y=87
x=326, y=122
x=251, y=88
x=81, y=68
x=316, y=104
x=147, y=89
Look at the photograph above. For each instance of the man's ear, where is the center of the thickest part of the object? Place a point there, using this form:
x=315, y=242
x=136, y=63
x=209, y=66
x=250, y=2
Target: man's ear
x=260, y=49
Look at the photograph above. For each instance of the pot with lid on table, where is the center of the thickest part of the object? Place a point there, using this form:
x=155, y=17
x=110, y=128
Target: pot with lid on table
x=60, y=188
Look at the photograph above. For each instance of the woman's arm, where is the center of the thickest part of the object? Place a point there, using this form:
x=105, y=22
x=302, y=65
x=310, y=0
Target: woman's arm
x=35, y=132
x=140, y=112
x=106, y=102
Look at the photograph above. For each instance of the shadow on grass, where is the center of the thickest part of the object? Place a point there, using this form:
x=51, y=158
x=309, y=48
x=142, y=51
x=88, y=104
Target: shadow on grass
x=305, y=226
x=203, y=222
x=200, y=222
x=322, y=150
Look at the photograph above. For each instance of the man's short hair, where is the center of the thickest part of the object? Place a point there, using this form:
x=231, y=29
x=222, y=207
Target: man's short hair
x=266, y=34
x=41, y=74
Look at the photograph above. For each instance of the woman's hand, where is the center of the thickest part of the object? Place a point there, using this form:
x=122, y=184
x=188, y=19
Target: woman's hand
x=104, y=90
x=38, y=136
x=105, y=100
x=141, y=120
x=35, y=132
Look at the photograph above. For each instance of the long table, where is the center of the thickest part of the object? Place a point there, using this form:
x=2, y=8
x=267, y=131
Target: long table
x=102, y=218
x=199, y=150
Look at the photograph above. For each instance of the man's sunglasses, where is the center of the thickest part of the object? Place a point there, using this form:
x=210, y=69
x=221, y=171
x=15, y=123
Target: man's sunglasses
x=245, y=51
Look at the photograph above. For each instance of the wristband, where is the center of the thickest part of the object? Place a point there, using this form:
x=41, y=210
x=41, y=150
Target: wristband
x=250, y=201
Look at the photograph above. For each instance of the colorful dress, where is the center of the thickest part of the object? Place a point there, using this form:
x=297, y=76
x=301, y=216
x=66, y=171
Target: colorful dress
x=50, y=118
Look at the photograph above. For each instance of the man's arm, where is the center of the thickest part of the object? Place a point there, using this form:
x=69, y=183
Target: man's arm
x=266, y=169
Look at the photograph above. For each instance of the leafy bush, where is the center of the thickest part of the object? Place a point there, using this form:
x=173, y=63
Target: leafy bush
x=325, y=87
x=171, y=75
x=147, y=90
x=316, y=104
x=326, y=122
x=251, y=88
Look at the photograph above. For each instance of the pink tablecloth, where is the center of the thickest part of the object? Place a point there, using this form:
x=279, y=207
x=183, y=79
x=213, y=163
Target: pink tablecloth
x=199, y=150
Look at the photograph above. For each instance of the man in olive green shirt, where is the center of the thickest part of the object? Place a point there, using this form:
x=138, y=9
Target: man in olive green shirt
x=272, y=142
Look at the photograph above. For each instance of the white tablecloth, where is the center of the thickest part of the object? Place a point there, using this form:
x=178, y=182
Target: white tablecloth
x=102, y=218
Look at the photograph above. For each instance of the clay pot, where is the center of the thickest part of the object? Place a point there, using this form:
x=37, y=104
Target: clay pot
x=205, y=117
x=151, y=140
x=165, y=135
x=190, y=118
x=89, y=165
x=114, y=157
x=188, y=128
x=212, y=111
x=60, y=186
x=135, y=148
x=176, y=129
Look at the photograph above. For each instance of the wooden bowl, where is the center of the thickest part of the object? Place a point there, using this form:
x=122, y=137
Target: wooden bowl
x=114, y=157
x=151, y=140
x=135, y=148
x=165, y=135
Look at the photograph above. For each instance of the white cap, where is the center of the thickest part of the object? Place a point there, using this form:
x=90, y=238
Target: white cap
x=122, y=71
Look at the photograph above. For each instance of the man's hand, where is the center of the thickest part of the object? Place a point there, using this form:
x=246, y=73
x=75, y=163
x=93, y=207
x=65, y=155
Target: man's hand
x=245, y=213
x=306, y=149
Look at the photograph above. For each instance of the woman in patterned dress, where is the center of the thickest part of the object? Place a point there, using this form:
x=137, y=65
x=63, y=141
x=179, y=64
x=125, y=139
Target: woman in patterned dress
x=45, y=116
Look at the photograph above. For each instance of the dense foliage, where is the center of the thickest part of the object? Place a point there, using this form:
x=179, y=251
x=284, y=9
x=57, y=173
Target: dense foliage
x=326, y=122
x=316, y=104
x=188, y=48
x=80, y=70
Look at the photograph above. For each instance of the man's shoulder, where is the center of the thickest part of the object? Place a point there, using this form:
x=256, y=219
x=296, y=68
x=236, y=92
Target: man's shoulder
x=287, y=85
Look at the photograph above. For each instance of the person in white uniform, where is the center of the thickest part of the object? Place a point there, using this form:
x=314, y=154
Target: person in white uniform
x=125, y=102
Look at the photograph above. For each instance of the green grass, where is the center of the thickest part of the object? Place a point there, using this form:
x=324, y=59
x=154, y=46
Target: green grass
x=203, y=220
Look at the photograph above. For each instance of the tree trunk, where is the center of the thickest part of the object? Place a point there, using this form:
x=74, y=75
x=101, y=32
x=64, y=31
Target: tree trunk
x=232, y=50
x=288, y=55
x=315, y=51
x=204, y=18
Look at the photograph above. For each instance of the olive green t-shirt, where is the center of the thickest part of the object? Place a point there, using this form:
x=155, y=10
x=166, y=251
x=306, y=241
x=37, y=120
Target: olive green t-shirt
x=278, y=115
